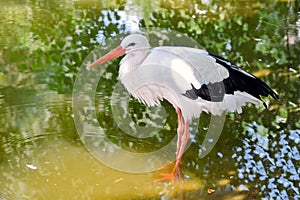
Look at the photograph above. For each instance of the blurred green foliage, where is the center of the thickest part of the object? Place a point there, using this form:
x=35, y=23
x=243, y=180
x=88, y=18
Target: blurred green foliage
x=43, y=44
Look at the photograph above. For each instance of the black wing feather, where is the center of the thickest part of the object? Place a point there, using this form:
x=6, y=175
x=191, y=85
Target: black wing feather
x=238, y=80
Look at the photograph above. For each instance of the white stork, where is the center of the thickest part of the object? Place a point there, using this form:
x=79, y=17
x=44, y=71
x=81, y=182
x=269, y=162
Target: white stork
x=192, y=80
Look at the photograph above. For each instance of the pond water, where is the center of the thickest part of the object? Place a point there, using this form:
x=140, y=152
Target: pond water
x=42, y=47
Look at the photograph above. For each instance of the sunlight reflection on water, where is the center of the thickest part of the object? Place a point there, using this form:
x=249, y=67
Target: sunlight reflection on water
x=42, y=47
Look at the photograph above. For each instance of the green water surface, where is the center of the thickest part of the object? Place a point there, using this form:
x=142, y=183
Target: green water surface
x=42, y=46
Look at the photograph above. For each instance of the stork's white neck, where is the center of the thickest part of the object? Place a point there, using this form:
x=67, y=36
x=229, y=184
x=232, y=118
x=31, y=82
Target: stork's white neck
x=132, y=60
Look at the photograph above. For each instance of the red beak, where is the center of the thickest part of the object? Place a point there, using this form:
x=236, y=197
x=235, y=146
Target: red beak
x=119, y=51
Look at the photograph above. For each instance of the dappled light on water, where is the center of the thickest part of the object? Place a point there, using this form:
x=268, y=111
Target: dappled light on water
x=42, y=46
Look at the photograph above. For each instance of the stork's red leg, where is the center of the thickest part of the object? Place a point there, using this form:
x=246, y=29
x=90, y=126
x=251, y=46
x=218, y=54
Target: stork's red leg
x=180, y=129
x=183, y=137
x=183, y=141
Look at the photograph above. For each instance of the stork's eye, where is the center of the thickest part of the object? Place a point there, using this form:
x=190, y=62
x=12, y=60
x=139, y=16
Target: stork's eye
x=130, y=45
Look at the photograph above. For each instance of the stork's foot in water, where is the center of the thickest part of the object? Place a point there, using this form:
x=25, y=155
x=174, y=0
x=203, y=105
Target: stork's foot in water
x=171, y=177
x=175, y=175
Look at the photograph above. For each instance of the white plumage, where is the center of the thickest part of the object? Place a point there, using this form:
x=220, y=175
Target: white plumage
x=168, y=72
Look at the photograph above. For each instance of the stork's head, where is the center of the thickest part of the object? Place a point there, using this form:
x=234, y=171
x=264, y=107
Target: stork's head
x=134, y=42
x=130, y=44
